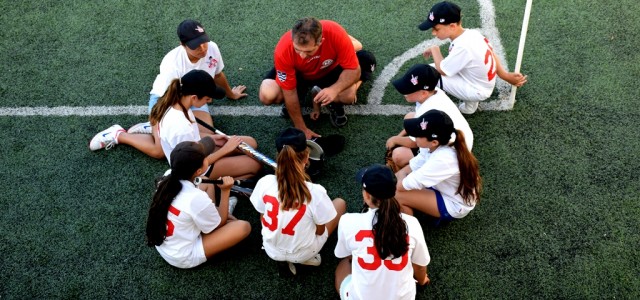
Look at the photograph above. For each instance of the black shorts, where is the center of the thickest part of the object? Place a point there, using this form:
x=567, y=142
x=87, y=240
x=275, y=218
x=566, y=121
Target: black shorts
x=304, y=85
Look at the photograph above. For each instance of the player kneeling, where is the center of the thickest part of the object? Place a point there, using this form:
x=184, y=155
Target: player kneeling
x=385, y=249
x=297, y=216
x=183, y=223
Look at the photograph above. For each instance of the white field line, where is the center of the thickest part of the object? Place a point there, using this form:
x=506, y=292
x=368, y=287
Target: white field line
x=487, y=17
x=374, y=99
x=388, y=110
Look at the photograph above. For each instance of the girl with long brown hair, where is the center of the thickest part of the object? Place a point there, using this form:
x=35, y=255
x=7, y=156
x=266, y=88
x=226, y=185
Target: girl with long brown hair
x=445, y=181
x=297, y=216
x=383, y=250
x=184, y=224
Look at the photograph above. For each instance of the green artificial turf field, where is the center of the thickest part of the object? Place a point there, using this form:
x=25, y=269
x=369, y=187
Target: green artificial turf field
x=559, y=213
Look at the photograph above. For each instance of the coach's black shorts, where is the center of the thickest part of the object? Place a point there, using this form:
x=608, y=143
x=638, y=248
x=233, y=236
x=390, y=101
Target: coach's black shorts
x=304, y=85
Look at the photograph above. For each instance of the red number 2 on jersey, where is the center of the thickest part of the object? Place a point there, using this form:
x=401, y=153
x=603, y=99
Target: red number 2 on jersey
x=377, y=262
x=170, y=225
x=489, y=58
x=270, y=217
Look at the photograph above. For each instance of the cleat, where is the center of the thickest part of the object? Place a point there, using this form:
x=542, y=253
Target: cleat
x=336, y=114
x=106, y=139
x=314, y=261
x=233, y=201
x=468, y=107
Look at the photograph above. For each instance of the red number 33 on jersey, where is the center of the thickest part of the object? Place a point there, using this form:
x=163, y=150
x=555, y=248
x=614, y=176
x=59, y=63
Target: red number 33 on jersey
x=377, y=261
x=270, y=217
x=489, y=59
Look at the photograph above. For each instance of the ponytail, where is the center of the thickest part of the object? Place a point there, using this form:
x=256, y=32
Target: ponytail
x=168, y=189
x=291, y=177
x=470, y=181
x=389, y=229
x=170, y=97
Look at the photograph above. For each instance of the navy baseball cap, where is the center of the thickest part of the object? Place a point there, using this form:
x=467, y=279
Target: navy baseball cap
x=377, y=180
x=367, y=62
x=192, y=34
x=292, y=137
x=434, y=125
x=419, y=77
x=444, y=12
x=200, y=83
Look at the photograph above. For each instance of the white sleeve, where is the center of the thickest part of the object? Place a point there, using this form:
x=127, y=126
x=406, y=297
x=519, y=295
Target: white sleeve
x=417, y=161
x=420, y=255
x=457, y=60
x=321, y=205
x=216, y=50
x=206, y=214
x=434, y=171
x=342, y=249
x=168, y=72
x=256, y=196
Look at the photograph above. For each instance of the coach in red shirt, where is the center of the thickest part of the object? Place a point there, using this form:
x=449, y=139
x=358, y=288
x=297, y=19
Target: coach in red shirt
x=317, y=55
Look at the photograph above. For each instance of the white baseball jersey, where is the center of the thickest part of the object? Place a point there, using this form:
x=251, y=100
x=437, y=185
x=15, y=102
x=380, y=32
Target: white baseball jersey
x=442, y=102
x=176, y=63
x=470, y=67
x=286, y=233
x=175, y=128
x=439, y=170
x=191, y=213
x=373, y=277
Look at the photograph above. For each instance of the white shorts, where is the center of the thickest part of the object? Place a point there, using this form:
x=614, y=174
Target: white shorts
x=301, y=255
x=458, y=87
x=195, y=258
x=345, y=287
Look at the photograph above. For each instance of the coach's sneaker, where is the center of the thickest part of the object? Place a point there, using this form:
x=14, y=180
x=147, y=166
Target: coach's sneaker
x=144, y=128
x=314, y=261
x=336, y=114
x=284, y=113
x=468, y=107
x=106, y=139
x=314, y=91
x=233, y=201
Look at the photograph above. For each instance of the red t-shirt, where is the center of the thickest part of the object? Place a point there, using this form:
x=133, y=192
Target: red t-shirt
x=336, y=49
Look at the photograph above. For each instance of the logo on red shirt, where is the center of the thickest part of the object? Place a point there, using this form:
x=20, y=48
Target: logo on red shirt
x=326, y=63
x=282, y=76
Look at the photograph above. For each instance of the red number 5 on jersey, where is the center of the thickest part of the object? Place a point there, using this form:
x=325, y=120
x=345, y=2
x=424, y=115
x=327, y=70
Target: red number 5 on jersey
x=170, y=225
x=270, y=217
x=376, y=260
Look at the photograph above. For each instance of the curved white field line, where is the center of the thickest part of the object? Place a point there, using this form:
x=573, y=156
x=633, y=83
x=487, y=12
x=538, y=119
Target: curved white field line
x=374, y=100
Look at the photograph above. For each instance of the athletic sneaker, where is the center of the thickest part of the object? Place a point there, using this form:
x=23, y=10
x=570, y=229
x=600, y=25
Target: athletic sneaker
x=314, y=261
x=106, y=139
x=292, y=268
x=336, y=114
x=314, y=91
x=468, y=107
x=233, y=200
x=284, y=113
x=144, y=128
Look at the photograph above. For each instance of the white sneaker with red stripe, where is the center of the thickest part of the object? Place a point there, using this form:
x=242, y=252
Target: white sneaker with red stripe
x=106, y=139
